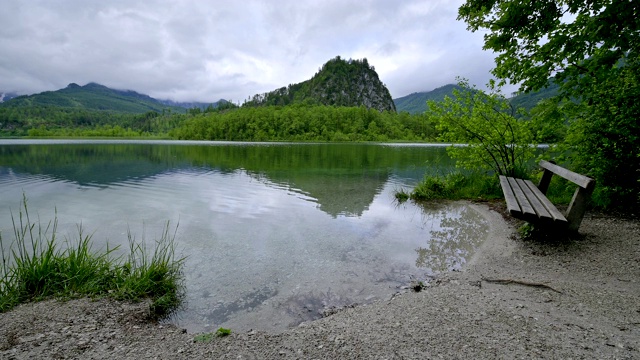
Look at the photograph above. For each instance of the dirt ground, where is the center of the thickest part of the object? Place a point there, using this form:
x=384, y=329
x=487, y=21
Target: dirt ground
x=516, y=299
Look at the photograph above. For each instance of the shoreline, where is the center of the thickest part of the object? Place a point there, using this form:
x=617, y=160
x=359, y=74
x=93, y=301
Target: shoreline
x=595, y=314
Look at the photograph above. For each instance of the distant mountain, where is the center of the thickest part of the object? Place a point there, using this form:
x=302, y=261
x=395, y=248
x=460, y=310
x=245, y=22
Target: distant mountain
x=416, y=103
x=339, y=82
x=92, y=97
x=99, y=97
x=6, y=96
x=193, y=104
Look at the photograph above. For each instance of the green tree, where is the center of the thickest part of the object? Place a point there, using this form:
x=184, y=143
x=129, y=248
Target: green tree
x=548, y=120
x=591, y=49
x=495, y=139
x=571, y=39
x=606, y=138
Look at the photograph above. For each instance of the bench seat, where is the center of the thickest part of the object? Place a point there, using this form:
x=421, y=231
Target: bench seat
x=526, y=202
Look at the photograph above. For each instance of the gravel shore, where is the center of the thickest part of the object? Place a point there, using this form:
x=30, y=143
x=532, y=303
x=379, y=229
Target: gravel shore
x=514, y=300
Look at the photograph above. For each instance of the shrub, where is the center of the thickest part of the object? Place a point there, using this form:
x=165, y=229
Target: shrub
x=495, y=140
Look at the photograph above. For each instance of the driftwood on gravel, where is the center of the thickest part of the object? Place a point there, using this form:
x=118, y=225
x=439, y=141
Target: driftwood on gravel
x=519, y=282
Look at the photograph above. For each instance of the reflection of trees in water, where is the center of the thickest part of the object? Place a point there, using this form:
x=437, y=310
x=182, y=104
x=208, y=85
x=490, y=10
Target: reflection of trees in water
x=89, y=164
x=453, y=240
x=343, y=178
x=347, y=194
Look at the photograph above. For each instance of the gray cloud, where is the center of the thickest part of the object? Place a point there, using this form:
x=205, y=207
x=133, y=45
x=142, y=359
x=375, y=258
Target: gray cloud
x=207, y=50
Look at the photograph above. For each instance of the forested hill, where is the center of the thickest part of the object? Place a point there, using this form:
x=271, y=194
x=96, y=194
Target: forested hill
x=339, y=82
x=92, y=110
x=97, y=97
x=529, y=100
x=416, y=103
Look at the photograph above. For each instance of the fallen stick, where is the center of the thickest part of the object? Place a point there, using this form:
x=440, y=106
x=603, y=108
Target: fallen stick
x=519, y=282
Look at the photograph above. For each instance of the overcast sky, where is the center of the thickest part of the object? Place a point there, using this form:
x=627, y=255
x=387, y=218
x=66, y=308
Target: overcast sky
x=197, y=50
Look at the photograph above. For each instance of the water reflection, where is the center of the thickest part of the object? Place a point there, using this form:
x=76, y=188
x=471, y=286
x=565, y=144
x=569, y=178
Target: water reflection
x=278, y=278
x=273, y=234
x=88, y=164
x=459, y=232
x=342, y=178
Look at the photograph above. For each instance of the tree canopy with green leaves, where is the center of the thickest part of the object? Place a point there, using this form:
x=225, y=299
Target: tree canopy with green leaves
x=536, y=40
x=592, y=49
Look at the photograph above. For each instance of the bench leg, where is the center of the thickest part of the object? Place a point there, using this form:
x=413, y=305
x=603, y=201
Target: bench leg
x=578, y=207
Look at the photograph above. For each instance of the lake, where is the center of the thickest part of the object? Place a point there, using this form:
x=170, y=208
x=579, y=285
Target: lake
x=273, y=233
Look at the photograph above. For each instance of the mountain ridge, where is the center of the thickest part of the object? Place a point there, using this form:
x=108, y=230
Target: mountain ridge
x=354, y=78
x=94, y=96
x=416, y=103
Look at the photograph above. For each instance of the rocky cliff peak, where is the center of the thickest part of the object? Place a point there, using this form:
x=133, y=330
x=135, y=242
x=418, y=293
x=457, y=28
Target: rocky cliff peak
x=338, y=82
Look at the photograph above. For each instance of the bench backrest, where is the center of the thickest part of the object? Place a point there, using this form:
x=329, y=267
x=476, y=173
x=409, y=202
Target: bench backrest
x=580, y=180
x=578, y=205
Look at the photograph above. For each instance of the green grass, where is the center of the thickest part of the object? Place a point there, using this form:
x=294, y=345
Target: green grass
x=454, y=186
x=477, y=186
x=208, y=337
x=36, y=267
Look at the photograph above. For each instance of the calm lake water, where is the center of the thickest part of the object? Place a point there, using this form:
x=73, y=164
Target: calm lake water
x=273, y=233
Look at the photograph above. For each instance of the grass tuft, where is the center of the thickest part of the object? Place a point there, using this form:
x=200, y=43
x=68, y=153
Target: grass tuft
x=222, y=332
x=208, y=337
x=157, y=276
x=402, y=195
x=35, y=268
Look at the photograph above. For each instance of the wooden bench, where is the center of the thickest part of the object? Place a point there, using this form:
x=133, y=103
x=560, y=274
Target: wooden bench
x=527, y=202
